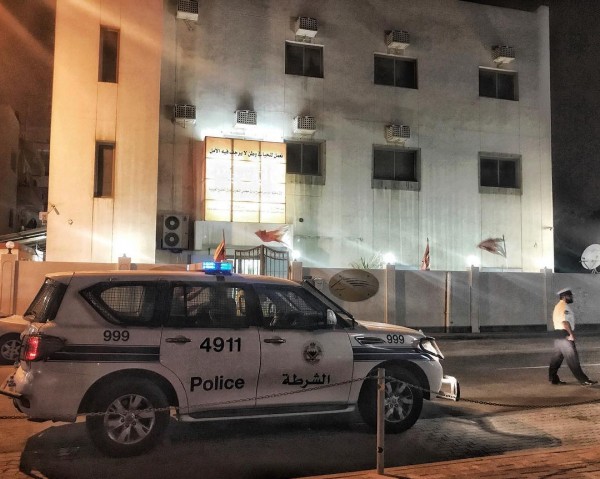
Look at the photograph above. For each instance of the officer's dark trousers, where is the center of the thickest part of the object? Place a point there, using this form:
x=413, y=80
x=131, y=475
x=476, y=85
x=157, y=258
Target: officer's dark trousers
x=565, y=349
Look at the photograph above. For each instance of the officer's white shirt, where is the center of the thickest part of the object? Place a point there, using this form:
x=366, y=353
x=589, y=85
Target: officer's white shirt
x=563, y=312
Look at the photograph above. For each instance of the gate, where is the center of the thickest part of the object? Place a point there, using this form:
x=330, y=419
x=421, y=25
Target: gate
x=262, y=260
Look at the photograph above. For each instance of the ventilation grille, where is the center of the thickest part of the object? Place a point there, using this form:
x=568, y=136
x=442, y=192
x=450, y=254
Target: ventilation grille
x=245, y=118
x=187, y=10
x=397, y=133
x=397, y=39
x=306, y=27
x=503, y=54
x=305, y=125
x=184, y=114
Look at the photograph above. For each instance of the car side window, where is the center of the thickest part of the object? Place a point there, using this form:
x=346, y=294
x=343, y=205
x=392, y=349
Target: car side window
x=207, y=306
x=289, y=308
x=131, y=303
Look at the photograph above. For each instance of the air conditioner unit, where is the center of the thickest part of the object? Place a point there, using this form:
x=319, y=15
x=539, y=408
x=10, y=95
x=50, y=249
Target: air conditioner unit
x=306, y=27
x=305, y=125
x=175, y=232
x=503, y=54
x=187, y=10
x=245, y=118
x=397, y=133
x=397, y=39
x=184, y=114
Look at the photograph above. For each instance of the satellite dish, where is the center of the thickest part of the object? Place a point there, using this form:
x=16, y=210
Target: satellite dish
x=590, y=258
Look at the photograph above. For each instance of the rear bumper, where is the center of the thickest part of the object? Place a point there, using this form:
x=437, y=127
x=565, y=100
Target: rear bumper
x=8, y=388
x=450, y=389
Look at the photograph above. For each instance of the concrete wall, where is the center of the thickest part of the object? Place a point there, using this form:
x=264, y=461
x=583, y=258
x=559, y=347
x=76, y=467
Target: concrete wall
x=85, y=111
x=233, y=58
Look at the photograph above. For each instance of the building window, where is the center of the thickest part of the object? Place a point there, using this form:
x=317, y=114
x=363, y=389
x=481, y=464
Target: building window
x=11, y=218
x=109, y=55
x=498, y=172
x=498, y=84
x=104, y=170
x=304, y=60
x=395, y=168
x=303, y=158
x=395, y=71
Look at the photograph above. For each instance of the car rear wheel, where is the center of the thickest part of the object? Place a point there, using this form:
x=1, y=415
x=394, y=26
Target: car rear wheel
x=128, y=423
x=10, y=344
x=402, y=403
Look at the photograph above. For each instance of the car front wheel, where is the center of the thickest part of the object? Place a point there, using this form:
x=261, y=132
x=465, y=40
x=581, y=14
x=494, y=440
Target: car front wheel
x=10, y=345
x=128, y=423
x=402, y=403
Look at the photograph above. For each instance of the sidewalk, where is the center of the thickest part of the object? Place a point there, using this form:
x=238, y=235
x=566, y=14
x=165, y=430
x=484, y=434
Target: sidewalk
x=560, y=462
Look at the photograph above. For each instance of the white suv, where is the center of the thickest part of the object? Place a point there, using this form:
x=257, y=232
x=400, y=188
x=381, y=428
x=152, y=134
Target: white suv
x=133, y=345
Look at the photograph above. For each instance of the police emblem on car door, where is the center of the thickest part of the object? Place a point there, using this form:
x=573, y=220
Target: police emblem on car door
x=300, y=352
x=207, y=341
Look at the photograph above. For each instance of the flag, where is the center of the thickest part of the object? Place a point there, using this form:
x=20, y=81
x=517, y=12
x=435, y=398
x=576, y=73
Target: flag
x=494, y=245
x=425, y=260
x=274, y=235
x=220, y=250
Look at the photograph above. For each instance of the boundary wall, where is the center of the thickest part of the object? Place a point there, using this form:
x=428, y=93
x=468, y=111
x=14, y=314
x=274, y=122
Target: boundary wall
x=435, y=301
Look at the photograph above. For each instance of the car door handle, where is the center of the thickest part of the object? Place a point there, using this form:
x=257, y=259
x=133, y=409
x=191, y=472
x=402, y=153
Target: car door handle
x=276, y=340
x=178, y=339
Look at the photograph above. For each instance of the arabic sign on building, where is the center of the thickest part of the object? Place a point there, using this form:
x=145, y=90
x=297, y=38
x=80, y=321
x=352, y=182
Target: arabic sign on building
x=244, y=181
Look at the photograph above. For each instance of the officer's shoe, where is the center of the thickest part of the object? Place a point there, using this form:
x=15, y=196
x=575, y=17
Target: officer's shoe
x=556, y=381
x=589, y=382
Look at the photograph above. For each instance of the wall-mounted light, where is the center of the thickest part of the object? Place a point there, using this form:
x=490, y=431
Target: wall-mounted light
x=389, y=258
x=472, y=260
x=296, y=255
x=10, y=246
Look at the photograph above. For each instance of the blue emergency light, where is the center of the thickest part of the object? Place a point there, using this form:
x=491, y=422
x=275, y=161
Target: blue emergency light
x=217, y=267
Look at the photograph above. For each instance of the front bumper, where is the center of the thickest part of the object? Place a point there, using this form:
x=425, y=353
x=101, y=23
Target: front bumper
x=450, y=389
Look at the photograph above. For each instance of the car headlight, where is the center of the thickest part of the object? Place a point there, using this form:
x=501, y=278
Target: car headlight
x=429, y=345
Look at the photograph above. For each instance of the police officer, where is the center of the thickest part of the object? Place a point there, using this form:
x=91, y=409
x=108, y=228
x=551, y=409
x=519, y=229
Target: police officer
x=564, y=341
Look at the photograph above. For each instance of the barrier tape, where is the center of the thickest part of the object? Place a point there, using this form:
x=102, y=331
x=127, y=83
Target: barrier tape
x=341, y=383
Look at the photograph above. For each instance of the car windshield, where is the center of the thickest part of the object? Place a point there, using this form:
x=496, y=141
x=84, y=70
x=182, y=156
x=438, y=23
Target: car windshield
x=329, y=302
x=46, y=302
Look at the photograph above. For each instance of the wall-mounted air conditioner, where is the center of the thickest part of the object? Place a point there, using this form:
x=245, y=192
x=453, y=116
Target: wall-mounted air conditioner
x=306, y=27
x=245, y=118
x=503, y=54
x=397, y=39
x=397, y=133
x=187, y=10
x=305, y=125
x=175, y=231
x=184, y=114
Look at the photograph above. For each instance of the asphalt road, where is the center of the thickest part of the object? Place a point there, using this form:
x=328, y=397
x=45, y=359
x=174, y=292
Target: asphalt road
x=505, y=369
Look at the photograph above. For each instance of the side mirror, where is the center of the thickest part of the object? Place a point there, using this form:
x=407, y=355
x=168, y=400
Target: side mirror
x=331, y=318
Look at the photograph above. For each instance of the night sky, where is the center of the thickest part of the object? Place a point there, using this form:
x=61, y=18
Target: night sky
x=26, y=55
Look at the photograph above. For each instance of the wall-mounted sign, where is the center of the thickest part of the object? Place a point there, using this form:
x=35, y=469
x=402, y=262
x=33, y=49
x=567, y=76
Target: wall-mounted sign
x=244, y=181
x=353, y=285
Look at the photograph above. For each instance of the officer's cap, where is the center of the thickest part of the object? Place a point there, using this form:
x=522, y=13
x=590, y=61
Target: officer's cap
x=564, y=291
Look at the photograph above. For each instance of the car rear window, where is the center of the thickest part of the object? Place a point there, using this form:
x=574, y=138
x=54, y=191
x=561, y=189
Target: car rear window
x=44, y=306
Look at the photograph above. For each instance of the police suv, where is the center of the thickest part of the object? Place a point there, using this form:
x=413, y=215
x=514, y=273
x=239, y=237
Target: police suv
x=132, y=346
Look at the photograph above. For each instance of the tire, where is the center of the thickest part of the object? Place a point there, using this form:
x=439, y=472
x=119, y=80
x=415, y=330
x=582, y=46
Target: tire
x=403, y=403
x=10, y=345
x=126, y=429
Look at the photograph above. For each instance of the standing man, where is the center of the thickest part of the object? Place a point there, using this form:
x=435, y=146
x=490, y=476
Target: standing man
x=564, y=341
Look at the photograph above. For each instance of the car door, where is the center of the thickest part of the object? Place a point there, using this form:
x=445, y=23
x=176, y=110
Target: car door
x=208, y=342
x=300, y=354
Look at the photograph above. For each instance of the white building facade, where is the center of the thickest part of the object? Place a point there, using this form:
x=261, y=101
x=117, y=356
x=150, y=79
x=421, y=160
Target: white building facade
x=422, y=129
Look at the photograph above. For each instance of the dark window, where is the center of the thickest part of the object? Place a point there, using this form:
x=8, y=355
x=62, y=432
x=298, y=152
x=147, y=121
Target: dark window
x=394, y=164
x=305, y=60
x=498, y=84
x=109, y=55
x=400, y=72
x=104, y=170
x=290, y=308
x=130, y=303
x=11, y=218
x=498, y=173
x=207, y=306
x=303, y=158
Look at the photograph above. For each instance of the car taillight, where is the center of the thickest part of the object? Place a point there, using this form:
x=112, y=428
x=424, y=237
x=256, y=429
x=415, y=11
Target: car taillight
x=39, y=347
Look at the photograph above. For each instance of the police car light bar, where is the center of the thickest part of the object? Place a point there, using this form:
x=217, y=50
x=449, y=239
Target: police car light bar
x=217, y=267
